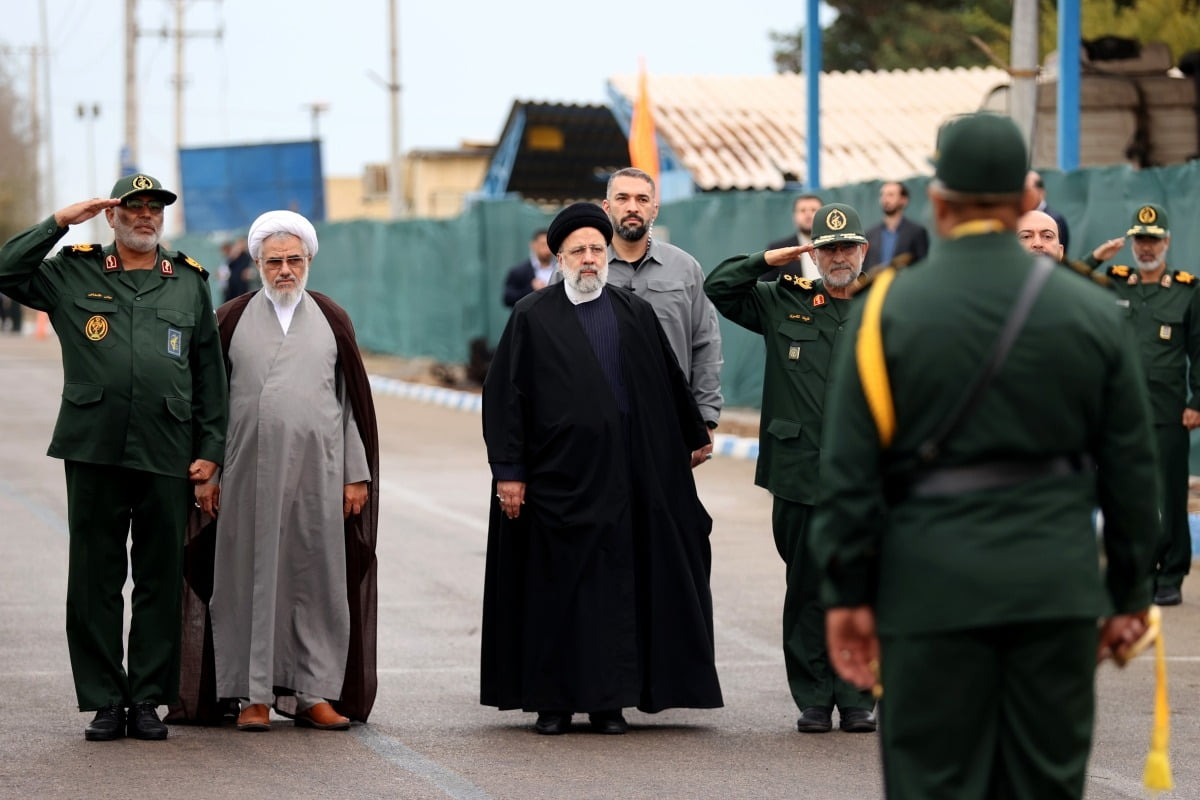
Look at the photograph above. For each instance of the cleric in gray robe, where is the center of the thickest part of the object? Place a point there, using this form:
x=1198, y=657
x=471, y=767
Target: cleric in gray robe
x=296, y=465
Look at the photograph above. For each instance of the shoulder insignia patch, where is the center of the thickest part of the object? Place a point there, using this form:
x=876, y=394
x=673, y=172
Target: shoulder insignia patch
x=84, y=248
x=1186, y=278
x=191, y=262
x=1118, y=271
x=797, y=281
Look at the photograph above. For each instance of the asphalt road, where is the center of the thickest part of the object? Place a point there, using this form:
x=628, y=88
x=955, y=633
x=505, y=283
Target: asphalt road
x=428, y=736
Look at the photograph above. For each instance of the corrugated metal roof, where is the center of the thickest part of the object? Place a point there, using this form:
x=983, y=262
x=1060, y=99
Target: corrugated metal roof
x=749, y=132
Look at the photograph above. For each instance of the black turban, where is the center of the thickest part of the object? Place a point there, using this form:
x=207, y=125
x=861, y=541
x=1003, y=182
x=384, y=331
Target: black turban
x=574, y=217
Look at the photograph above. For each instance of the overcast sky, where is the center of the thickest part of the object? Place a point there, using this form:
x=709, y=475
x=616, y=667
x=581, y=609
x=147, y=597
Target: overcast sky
x=461, y=67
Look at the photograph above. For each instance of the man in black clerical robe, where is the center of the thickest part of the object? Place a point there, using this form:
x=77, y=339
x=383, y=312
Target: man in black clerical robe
x=596, y=594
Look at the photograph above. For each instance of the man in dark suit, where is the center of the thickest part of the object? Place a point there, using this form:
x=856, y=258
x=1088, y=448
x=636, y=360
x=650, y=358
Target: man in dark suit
x=1033, y=182
x=804, y=208
x=531, y=274
x=897, y=240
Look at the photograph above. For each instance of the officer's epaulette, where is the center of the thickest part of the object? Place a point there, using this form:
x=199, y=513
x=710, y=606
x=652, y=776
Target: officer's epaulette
x=1084, y=270
x=1119, y=271
x=82, y=249
x=191, y=262
x=795, y=281
x=1186, y=278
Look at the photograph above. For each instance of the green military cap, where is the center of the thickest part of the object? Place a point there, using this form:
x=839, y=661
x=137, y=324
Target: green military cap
x=982, y=155
x=1149, y=220
x=837, y=222
x=139, y=183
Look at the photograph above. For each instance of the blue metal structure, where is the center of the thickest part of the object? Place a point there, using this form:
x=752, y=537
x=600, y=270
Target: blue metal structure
x=812, y=83
x=1069, y=38
x=495, y=183
x=225, y=188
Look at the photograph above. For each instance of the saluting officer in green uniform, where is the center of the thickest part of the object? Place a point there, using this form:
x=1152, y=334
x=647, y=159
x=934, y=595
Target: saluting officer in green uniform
x=1164, y=308
x=959, y=550
x=802, y=322
x=143, y=413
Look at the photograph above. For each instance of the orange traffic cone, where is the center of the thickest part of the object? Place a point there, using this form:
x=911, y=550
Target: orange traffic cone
x=43, y=322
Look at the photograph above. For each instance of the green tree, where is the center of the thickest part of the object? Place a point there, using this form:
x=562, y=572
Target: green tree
x=878, y=35
x=18, y=160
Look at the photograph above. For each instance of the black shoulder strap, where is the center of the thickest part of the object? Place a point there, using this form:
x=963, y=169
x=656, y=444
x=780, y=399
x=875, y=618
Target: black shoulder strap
x=931, y=448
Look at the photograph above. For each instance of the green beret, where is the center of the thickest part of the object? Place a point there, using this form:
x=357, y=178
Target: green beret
x=1149, y=220
x=981, y=155
x=835, y=223
x=139, y=183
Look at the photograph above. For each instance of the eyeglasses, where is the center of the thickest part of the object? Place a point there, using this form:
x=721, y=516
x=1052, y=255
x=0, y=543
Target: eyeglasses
x=137, y=204
x=594, y=249
x=293, y=262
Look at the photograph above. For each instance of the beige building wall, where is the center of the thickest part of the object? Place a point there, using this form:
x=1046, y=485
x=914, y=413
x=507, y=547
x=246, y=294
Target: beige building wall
x=436, y=184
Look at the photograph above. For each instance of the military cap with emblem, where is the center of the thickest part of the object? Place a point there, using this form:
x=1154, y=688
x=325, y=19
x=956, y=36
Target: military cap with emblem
x=836, y=223
x=140, y=183
x=1149, y=220
x=982, y=155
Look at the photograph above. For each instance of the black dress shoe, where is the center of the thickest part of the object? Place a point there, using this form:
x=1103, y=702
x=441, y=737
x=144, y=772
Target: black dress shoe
x=144, y=722
x=553, y=723
x=108, y=724
x=609, y=722
x=815, y=719
x=857, y=720
x=1168, y=596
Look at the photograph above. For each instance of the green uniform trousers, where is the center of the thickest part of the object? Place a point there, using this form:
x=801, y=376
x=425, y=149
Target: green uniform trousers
x=810, y=675
x=1174, y=552
x=104, y=505
x=1001, y=713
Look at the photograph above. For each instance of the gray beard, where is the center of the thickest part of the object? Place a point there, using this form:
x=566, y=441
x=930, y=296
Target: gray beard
x=590, y=284
x=288, y=297
x=1151, y=266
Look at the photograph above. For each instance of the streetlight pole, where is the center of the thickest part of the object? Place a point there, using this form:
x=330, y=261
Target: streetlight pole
x=88, y=113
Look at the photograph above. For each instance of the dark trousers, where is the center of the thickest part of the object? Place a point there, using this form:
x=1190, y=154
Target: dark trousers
x=104, y=504
x=1174, y=551
x=805, y=656
x=1001, y=713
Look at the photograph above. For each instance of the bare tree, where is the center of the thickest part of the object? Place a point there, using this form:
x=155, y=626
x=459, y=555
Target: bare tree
x=18, y=159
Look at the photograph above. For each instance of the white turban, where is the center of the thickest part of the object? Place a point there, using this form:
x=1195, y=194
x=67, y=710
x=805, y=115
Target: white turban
x=274, y=222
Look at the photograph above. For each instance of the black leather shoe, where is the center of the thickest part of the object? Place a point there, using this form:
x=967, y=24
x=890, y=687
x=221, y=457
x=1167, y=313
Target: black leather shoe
x=857, y=720
x=1168, y=596
x=553, y=723
x=609, y=722
x=108, y=724
x=144, y=722
x=815, y=719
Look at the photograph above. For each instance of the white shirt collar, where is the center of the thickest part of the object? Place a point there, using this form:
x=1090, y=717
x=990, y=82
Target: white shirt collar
x=576, y=297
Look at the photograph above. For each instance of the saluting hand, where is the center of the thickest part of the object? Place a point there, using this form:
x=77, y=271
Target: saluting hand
x=83, y=210
x=783, y=256
x=1107, y=250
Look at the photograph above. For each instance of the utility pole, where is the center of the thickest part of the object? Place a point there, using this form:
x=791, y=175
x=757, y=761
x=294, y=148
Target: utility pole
x=48, y=182
x=129, y=150
x=395, y=189
x=88, y=113
x=1024, y=67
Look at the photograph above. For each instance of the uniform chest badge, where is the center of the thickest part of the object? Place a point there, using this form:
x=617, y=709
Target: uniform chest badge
x=818, y=300
x=174, y=342
x=1164, y=332
x=794, y=352
x=96, y=328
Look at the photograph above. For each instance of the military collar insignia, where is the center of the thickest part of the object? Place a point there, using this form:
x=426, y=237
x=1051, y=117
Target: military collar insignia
x=818, y=300
x=1165, y=281
x=166, y=267
x=111, y=264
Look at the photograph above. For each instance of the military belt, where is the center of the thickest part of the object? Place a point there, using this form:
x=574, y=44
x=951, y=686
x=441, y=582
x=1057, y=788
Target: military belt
x=947, y=481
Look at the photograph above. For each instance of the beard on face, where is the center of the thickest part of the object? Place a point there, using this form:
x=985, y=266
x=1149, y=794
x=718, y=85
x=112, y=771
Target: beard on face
x=840, y=281
x=1151, y=263
x=284, y=297
x=632, y=229
x=128, y=236
x=588, y=284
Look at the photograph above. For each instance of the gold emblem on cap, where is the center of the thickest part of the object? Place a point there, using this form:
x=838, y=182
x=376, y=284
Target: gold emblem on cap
x=1147, y=215
x=142, y=182
x=836, y=220
x=96, y=328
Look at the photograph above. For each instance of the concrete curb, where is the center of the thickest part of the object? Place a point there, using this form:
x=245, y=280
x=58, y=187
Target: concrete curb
x=724, y=445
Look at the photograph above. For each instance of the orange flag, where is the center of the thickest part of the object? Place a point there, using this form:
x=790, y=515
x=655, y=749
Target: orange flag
x=643, y=143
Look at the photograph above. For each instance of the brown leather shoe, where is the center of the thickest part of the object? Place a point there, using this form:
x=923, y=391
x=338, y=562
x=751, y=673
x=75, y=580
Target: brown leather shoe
x=254, y=717
x=322, y=716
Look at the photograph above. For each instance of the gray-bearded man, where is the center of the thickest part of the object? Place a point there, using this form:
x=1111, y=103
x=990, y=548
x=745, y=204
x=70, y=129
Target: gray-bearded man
x=294, y=579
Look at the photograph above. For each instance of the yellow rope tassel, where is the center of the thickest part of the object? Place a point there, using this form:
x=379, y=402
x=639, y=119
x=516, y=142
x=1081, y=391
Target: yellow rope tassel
x=1157, y=776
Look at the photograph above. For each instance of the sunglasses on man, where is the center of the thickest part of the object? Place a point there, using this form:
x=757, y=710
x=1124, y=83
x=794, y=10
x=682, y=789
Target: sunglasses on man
x=137, y=204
